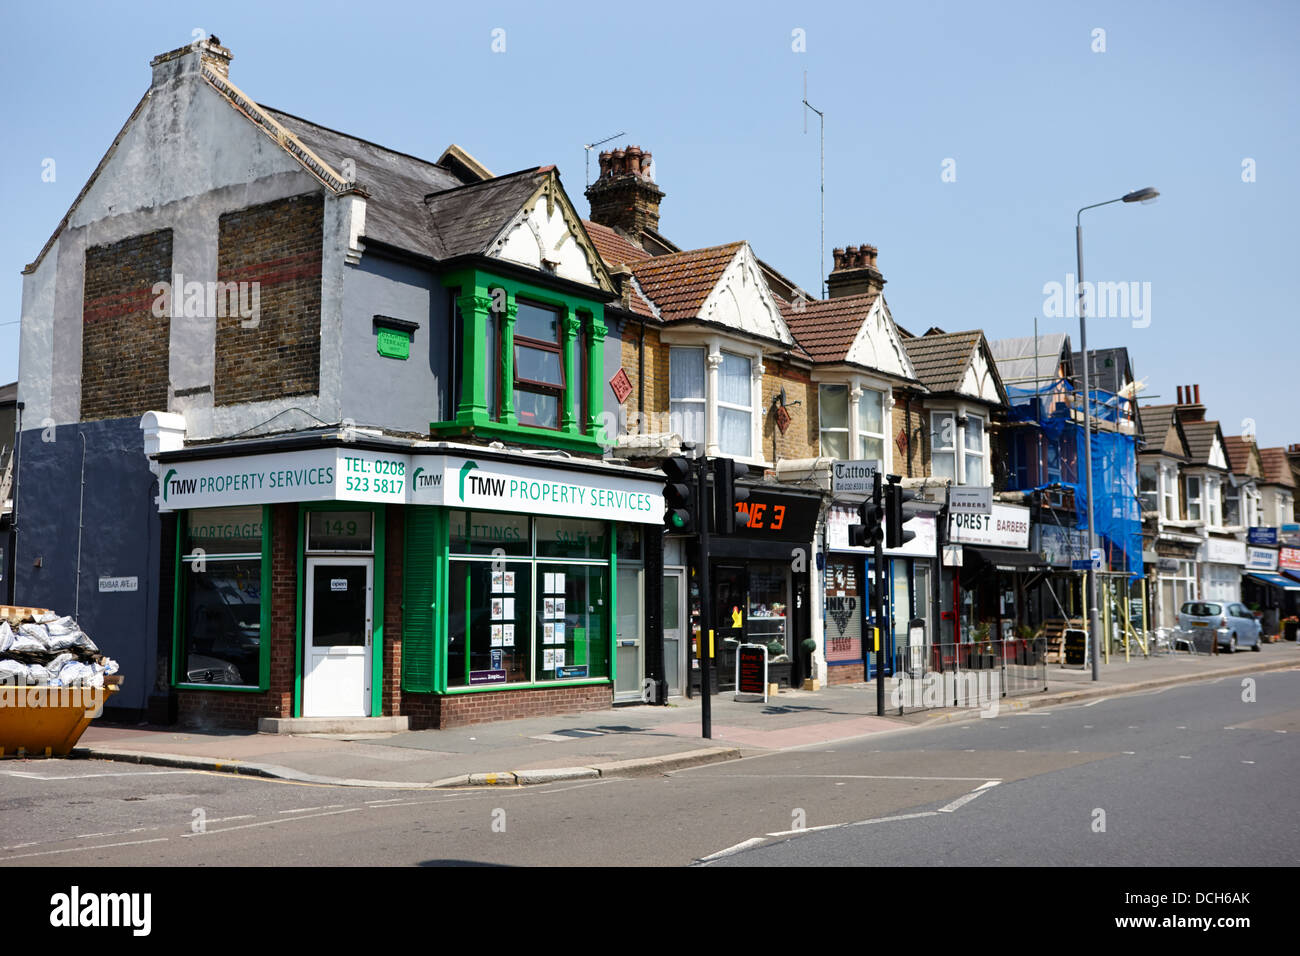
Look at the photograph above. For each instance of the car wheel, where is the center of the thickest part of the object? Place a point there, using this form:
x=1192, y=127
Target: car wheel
x=1257, y=643
x=1232, y=645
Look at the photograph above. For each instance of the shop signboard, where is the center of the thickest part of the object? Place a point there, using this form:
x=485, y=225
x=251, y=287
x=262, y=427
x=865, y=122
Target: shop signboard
x=1076, y=647
x=1061, y=545
x=1006, y=527
x=1289, y=534
x=119, y=584
x=843, y=612
x=349, y=474
x=1261, y=535
x=775, y=517
x=1223, y=551
x=1288, y=559
x=970, y=501
x=841, y=516
x=751, y=670
x=1261, y=559
x=487, y=677
x=854, y=477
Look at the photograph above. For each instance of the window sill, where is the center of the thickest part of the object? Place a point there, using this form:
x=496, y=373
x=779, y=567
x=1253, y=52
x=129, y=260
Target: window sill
x=521, y=434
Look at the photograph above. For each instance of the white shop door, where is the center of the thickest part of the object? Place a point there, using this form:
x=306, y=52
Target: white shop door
x=337, y=637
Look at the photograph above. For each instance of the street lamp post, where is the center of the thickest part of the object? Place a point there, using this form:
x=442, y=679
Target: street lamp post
x=1094, y=625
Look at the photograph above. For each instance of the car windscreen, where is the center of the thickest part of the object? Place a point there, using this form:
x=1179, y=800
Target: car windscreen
x=1198, y=609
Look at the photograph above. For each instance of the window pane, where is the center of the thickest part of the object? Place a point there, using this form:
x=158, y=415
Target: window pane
x=537, y=409
x=943, y=432
x=224, y=530
x=481, y=532
x=835, y=444
x=339, y=531
x=489, y=630
x=833, y=404
x=871, y=412
x=943, y=465
x=686, y=373
x=974, y=434
x=537, y=322
x=572, y=538
x=538, y=365
x=733, y=380
x=974, y=469
x=735, y=438
x=572, y=601
x=223, y=618
x=687, y=420
x=871, y=449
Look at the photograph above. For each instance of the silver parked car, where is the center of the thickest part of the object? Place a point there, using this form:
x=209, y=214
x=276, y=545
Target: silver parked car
x=1233, y=625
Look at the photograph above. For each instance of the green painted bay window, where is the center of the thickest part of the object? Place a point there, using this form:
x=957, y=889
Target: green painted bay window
x=222, y=609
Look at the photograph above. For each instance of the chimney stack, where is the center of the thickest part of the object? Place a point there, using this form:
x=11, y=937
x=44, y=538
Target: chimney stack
x=191, y=58
x=624, y=195
x=854, y=272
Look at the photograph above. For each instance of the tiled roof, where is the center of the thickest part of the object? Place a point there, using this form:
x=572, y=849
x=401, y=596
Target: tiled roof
x=1277, y=469
x=1200, y=439
x=941, y=360
x=1237, y=449
x=613, y=246
x=827, y=328
x=397, y=183
x=465, y=220
x=680, y=282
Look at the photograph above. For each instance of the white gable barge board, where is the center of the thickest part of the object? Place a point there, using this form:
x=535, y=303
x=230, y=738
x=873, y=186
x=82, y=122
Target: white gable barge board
x=548, y=229
x=980, y=380
x=363, y=475
x=878, y=345
x=741, y=300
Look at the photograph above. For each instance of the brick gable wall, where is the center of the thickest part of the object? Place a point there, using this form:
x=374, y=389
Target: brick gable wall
x=124, y=348
x=278, y=246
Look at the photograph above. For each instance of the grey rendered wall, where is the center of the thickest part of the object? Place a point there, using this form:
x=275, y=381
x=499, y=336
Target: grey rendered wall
x=404, y=395
x=119, y=538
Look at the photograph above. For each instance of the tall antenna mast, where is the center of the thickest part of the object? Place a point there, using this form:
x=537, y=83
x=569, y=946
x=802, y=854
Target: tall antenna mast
x=821, y=252
x=590, y=146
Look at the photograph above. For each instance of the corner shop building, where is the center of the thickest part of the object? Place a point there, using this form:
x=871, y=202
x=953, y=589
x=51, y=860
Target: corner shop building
x=337, y=574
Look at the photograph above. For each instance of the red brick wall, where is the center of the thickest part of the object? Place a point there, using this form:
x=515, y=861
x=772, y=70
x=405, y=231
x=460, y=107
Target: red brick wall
x=844, y=673
x=124, y=348
x=277, y=245
x=458, y=710
x=239, y=710
x=394, y=550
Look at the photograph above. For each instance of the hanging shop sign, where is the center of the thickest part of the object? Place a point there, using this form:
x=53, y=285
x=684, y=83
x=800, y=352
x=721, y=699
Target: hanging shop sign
x=1288, y=559
x=842, y=515
x=1261, y=559
x=1006, y=527
x=774, y=516
x=854, y=477
x=1060, y=545
x=1261, y=535
x=970, y=501
x=1221, y=551
x=345, y=474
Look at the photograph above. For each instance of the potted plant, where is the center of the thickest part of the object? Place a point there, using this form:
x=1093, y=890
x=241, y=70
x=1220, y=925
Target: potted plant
x=1290, y=625
x=982, y=655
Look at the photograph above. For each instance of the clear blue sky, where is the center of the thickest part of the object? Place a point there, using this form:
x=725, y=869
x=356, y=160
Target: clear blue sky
x=1037, y=122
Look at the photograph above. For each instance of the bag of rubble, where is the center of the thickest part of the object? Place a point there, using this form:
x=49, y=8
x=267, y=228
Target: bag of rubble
x=13, y=672
x=30, y=639
x=6, y=636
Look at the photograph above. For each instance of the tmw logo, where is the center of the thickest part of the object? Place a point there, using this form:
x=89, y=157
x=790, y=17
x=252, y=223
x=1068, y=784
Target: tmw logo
x=465, y=469
x=74, y=909
x=422, y=479
x=478, y=484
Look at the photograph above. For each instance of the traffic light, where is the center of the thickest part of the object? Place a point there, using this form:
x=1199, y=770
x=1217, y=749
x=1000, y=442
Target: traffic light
x=867, y=533
x=727, y=494
x=898, y=512
x=679, y=495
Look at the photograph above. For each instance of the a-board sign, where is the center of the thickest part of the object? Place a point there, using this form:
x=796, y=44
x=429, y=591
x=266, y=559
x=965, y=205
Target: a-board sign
x=1076, y=647
x=751, y=670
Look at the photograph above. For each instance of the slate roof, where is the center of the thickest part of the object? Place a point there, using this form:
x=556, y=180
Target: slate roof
x=1015, y=358
x=396, y=183
x=1277, y=468
x=1200, y=440
x=941, y=360
x=679, y=283
x=1106, y=369
x=1156, y=420
x=827, y=328
x=466, y=219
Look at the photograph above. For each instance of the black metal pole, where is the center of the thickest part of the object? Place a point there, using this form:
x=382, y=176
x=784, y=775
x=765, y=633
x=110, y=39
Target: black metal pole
x=879, y=600
x=703, y=515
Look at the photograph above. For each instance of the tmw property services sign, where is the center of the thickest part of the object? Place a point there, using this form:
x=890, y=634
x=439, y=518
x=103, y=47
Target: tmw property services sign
x=344, y=474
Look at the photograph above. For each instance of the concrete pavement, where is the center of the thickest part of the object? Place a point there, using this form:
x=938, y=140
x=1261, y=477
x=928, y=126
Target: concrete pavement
x=623, y=741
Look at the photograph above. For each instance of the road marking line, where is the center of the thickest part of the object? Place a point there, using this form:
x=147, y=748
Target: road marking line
x=1094, y=703
x=266, y=823
x=83, y=849
x=732, y=850
x=827, y=826
x=87, y=776
x=328, y=806
x=967, y=798
x=851, y=776
x=1248, y=761
x=1184, y=757
x=901, y=816
x=1130, y=752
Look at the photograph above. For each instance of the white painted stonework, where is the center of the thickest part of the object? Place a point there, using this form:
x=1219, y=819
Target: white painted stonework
x=1216, y=454
x=544, y=235
x=878, y=345
x=742, y=300
x=978, y=382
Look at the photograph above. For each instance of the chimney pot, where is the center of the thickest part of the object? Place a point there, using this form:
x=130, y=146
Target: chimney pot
x=634, y=160
x=625, y=196
x=1197, y=389
x=1180, y=396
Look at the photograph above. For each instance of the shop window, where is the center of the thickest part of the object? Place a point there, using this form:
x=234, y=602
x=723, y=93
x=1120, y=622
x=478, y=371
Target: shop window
x=572, y=609
x=220, y=598
x=539, y=370
x=686, y=393
x=490, y=533
x=833, y=420
x=489, y=634
x=735, y=406
x=871, y=425
x=572, y=538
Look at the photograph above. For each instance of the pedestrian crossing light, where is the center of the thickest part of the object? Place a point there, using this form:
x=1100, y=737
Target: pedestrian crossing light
x=679, y=495
x=898, y=510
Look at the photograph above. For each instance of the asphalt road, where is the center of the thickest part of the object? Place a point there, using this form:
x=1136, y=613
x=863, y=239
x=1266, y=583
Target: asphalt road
x=1192, y=775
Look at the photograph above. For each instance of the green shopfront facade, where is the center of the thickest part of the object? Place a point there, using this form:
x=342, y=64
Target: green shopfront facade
x=319, y=576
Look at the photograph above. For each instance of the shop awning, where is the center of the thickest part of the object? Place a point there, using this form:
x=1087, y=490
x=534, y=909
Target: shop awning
x=1275, y=580
x=1290, y=574
x=1004, y=559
